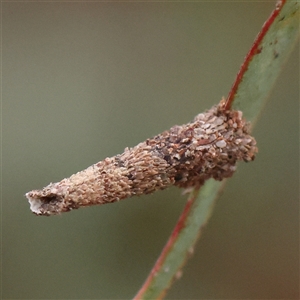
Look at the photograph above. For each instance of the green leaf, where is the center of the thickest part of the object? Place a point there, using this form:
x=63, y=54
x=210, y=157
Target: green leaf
x=199, y=214
x=249, y=93
x=266, y=65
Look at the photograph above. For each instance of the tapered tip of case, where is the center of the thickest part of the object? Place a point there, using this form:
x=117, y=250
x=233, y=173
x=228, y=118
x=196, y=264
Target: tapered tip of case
x=48, y=201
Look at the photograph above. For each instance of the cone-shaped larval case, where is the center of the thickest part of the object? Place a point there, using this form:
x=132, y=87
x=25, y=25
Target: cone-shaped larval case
x=185, y=156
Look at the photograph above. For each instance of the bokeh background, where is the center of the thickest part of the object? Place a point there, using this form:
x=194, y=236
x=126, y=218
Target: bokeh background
x=83, y=80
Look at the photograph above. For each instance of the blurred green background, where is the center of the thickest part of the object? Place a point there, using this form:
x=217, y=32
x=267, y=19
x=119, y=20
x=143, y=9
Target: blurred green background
x=81, y=81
